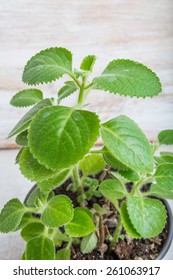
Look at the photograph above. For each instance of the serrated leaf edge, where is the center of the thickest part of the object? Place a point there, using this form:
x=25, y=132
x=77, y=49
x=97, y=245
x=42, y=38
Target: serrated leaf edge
x=55, y=79
x=165, y=219
x=122, y=94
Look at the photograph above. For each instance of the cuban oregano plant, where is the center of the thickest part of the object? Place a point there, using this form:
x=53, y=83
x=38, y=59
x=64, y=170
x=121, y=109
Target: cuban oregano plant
x=57, y=152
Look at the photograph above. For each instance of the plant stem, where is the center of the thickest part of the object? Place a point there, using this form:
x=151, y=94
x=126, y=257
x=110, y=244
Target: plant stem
x=77, y=180
x=69, y=243
x=89, y=86
x=139, y=183
x=75, y=79
x=82, y=92
x=116, y=233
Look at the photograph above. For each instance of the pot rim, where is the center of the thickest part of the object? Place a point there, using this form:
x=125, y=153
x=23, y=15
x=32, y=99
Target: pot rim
x=167, y=242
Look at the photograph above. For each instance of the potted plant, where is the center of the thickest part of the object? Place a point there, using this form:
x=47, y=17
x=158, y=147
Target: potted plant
x=88, y=203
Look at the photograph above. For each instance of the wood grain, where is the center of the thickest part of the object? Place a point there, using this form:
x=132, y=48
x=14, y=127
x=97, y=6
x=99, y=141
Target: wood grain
x=139, y=30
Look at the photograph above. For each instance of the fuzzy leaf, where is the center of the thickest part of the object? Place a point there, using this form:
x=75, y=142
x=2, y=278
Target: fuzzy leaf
x=160, y=192
x=88, y=63
x=47, y=66
x=167, y=157
x=55, y=181
x=92, y=164
x=26, y=219
x=112, y=190
x=130, y=175
x=159, y=160
x=166, y=137
x=131, y=231
x=22, y=138
x=27, y=97
x=58, y=212
x=164, y=176
x=66, y=90
x=11, y=215
x=35, y=193
x=147, y=215
x=25, y=121
x=40, y=248
x=31, y=169
x=63, y=254
x=17, y=160
x=112, y=161
x=89, y=243
x=100, y=210
x=81, y=224
x=64, y=135
x=128, y=77
x=128, y=144
x=32, y=230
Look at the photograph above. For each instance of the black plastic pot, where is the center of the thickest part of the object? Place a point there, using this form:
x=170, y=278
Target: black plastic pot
x=168, y=241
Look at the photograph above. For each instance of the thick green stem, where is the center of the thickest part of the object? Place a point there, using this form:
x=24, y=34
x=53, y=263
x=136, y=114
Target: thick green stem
x=89, y=86
x=76, y=80
x=116, y=233
x=77, y=181
x=76, y=178
x=82, y=92
x=140, y=183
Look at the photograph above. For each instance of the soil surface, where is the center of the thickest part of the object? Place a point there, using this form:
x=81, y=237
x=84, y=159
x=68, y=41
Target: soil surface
x=126, y=247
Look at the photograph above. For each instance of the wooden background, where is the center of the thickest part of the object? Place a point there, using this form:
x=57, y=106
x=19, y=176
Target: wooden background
x=139, y=30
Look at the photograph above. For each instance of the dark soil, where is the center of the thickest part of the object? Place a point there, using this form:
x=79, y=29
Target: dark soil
x=126, y=247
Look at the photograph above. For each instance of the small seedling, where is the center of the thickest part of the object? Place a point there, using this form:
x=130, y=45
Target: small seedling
x=57, y=146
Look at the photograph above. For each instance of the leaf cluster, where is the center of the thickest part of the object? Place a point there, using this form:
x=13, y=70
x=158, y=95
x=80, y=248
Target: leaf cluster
x=57, y=145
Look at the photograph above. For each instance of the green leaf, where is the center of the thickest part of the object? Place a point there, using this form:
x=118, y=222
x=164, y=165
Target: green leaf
x=159, y=160
x=31, y=169
x=56, y=181
x=89, y=243
x=131, y=231
x=25, y=121
x=63, y=254
x=23, y=256
x=26, y=219
x=35, y=193
x=32, y=230
x=47, y=66
x=92, y=164
x=17, y=160
x=27, y=97
x=88, y=63
x=58, y=212
x=66, y=90
x=88, y=212
x=128, y=144
x=22, y=138
x=166, y=137
x=147, y=215
x=167, y=157
x=11, y=215
x=160, y=192
x=112, y=161
x=130, y=175
x=164, y=176
x=81, y=224
x=128, y=77
x=100, y=210
x=112, y=190
x=64, y=135
x=40, y=248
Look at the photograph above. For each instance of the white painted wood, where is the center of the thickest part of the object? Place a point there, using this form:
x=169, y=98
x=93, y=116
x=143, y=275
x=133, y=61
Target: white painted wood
x=139, y=30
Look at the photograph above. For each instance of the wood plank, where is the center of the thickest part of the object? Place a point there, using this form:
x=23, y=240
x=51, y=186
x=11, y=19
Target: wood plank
x=141, y=31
